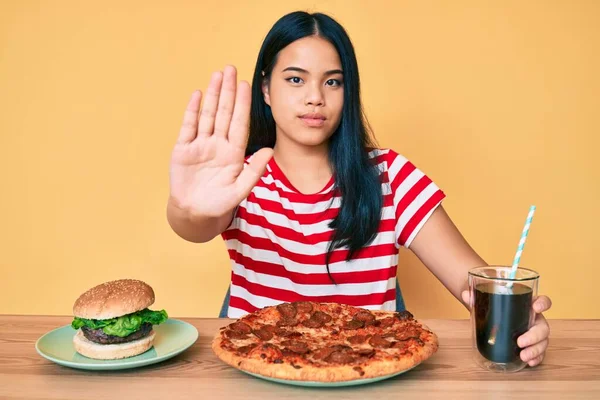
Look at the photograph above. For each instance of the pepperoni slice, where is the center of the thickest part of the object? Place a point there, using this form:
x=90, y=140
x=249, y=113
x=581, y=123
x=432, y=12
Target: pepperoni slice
x=366, y=353
x=241, y=327
x=339, y=357
x=296, y=346
x=289, y=334
x=354, y=324
x=364, y=315
x=406, y=334
x=321, y=316
x=313, y=323
x=263, y=334
x=303, y=306
x=403, y=315
x=323, y=353
x=270, y=351
x=271, y=329
x=287, y=310
x=341, y=347
x=358, y=339
x=374, y=322
x=235, y=334
x=386, y=322
x=246, y=349
x=378, y=341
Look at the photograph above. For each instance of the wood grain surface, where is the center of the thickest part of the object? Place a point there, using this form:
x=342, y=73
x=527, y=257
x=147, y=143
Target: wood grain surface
x=571, y=370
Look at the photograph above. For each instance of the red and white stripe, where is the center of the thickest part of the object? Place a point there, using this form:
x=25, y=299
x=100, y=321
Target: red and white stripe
x=278, y=240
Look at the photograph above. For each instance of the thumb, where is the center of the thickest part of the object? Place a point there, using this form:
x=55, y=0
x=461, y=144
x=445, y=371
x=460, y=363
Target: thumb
x=253, y=172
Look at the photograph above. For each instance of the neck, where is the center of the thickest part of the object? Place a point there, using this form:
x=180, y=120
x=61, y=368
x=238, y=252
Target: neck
x=306, y=167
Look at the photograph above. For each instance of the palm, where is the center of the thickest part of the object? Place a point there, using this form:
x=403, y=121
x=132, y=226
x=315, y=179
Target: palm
x=207, y=164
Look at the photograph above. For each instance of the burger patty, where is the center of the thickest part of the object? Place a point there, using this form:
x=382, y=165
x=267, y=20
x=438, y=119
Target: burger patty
x=98, y=335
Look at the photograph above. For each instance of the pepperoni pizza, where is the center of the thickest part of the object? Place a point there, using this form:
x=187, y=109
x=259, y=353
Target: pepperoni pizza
x=324, y=342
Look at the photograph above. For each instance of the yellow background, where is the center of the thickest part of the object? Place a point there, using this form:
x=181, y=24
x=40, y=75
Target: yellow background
x=496, y=101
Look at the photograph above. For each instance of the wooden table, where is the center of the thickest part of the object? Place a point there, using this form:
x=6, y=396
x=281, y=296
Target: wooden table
x=571, y=370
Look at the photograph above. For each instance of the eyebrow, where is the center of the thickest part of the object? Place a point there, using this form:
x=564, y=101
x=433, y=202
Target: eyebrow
x=330, y=72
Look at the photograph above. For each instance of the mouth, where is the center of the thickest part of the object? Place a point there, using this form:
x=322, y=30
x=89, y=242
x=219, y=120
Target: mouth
x=313, y=120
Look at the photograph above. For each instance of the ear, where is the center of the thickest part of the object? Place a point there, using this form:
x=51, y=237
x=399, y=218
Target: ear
x=265, y=91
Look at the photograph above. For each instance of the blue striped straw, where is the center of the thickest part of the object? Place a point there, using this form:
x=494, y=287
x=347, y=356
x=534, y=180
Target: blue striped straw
x=515, y=265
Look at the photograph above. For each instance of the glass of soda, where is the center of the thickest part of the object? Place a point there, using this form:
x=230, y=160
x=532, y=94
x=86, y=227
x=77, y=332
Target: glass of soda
x=501, y=311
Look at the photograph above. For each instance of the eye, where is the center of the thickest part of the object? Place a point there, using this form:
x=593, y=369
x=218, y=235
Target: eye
x=334, y=82
x=294, y=79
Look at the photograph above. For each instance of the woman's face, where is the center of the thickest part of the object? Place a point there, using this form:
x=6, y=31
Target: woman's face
x=306, y=92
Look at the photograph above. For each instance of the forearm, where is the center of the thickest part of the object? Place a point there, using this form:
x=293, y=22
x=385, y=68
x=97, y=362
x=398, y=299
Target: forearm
x=195, y=228
x=446, y=253
x=453, y=272
x=456, y=279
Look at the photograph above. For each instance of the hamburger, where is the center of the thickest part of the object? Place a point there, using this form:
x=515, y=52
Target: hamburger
x=113, y=320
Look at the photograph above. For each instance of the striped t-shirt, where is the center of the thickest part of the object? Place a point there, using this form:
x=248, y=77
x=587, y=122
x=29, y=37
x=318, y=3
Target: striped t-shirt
x=278, y=239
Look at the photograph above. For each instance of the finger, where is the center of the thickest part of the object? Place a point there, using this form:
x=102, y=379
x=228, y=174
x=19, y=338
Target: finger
x=466, y=298
x=536, y=361
x=238, y=132
x=189, y=127
x=538, y=332
x=253, y=172
x=209, y=108
x=226, y=102
x=533, y=352
x=541, y=304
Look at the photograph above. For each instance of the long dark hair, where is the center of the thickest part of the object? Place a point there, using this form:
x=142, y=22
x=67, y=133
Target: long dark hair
x=356, y=177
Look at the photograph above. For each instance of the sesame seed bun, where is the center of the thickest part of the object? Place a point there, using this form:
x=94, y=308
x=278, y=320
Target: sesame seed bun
x=111, y=351
x=114, y=299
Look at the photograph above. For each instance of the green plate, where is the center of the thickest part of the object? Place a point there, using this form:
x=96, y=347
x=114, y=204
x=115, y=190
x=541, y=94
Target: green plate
x=354, y=382
x=172, y=337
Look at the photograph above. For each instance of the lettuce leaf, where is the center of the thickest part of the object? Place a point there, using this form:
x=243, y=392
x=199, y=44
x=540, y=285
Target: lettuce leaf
x=92, y=323
x=124, y=325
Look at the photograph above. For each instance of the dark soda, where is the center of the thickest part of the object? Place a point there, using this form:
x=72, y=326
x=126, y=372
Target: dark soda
x=501, y=316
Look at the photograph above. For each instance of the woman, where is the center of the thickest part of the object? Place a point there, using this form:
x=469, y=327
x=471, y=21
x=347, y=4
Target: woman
x=309, y=207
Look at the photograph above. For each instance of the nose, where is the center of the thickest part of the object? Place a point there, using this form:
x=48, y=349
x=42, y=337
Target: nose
x=314, y=95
